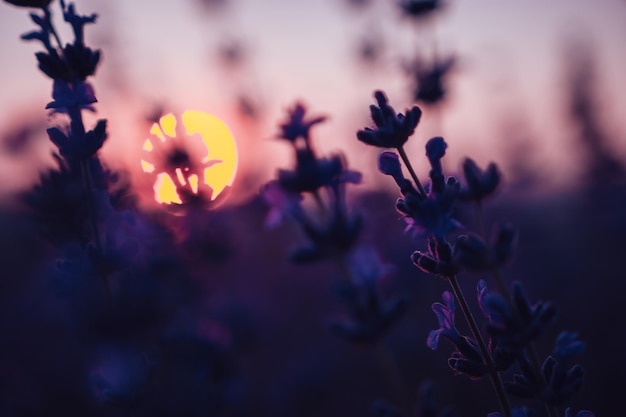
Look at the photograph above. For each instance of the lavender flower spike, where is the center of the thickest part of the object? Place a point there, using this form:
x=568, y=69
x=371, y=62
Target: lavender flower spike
x=392, y=130
x=445, y=317
x=296, y=126
x=42, y=4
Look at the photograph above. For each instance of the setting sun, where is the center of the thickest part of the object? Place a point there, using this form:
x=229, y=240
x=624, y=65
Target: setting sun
x=169, y=156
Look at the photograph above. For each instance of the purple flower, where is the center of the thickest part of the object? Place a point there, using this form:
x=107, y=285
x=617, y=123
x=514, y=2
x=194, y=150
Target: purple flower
x=438, y=259
x=429, y=80
x=77, y=21
x=480, y=184
x=312, y=173
x=392, y=130
x=435, y=151
x=445, y=317
x=568, y=346
x=419, y=8
x=42, y=4
x=71, y=94
x=296, y=126
x=466, y=359
x=515, y=329
x=77, y=146
x=77, y=61
x=334, y=236
x=432, y=216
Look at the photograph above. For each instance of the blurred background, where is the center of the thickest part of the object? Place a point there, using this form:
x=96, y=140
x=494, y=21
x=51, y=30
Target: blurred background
x=247, y=61
x=538, y=87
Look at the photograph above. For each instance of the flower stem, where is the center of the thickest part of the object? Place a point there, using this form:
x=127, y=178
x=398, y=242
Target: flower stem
x=408, y=165
x=48, y=16
x=78, y=129
x=496, y=380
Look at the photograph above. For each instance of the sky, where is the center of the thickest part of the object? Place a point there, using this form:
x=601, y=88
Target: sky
x=510, y=72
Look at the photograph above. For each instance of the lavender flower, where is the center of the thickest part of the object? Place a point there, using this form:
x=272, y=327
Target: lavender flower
x=41, y=4
x=438, y=259
x=77, y=147
x=563, y=380
x=334, y=237
x=429, y=80
x=392, y=130
x=445, y=317
x=515, y=329
x=296, y=126
x=466, y=359
x=473, y=253
x=371, y=316
x=480, y=184
x=389, y=164
x=432, y=216
x=419, y=8
x=312, y=173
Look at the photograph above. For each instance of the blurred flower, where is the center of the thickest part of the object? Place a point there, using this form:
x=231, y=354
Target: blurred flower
x=480, y=184
x=370, y=315
x=429, y=79
x=428, y=404
x=568, y=346
x=296, y=126
x=515, y=329
x=392, y=130
x=369, y=49
x=334, y=236
x=312, y=173
x=76, y=146
x=76, y=61
x=42, y=4
x=563, y=380
x=71, y=95
x=418, y=8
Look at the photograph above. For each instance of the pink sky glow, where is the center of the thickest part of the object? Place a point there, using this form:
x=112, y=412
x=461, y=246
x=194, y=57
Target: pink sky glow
x=510, y=56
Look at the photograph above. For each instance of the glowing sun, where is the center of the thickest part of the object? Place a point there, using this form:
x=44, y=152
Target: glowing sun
x=185, y=159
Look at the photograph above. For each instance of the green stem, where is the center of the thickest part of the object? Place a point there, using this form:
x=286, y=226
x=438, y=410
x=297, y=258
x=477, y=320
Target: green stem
x=408, y=165
x=496, y=380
